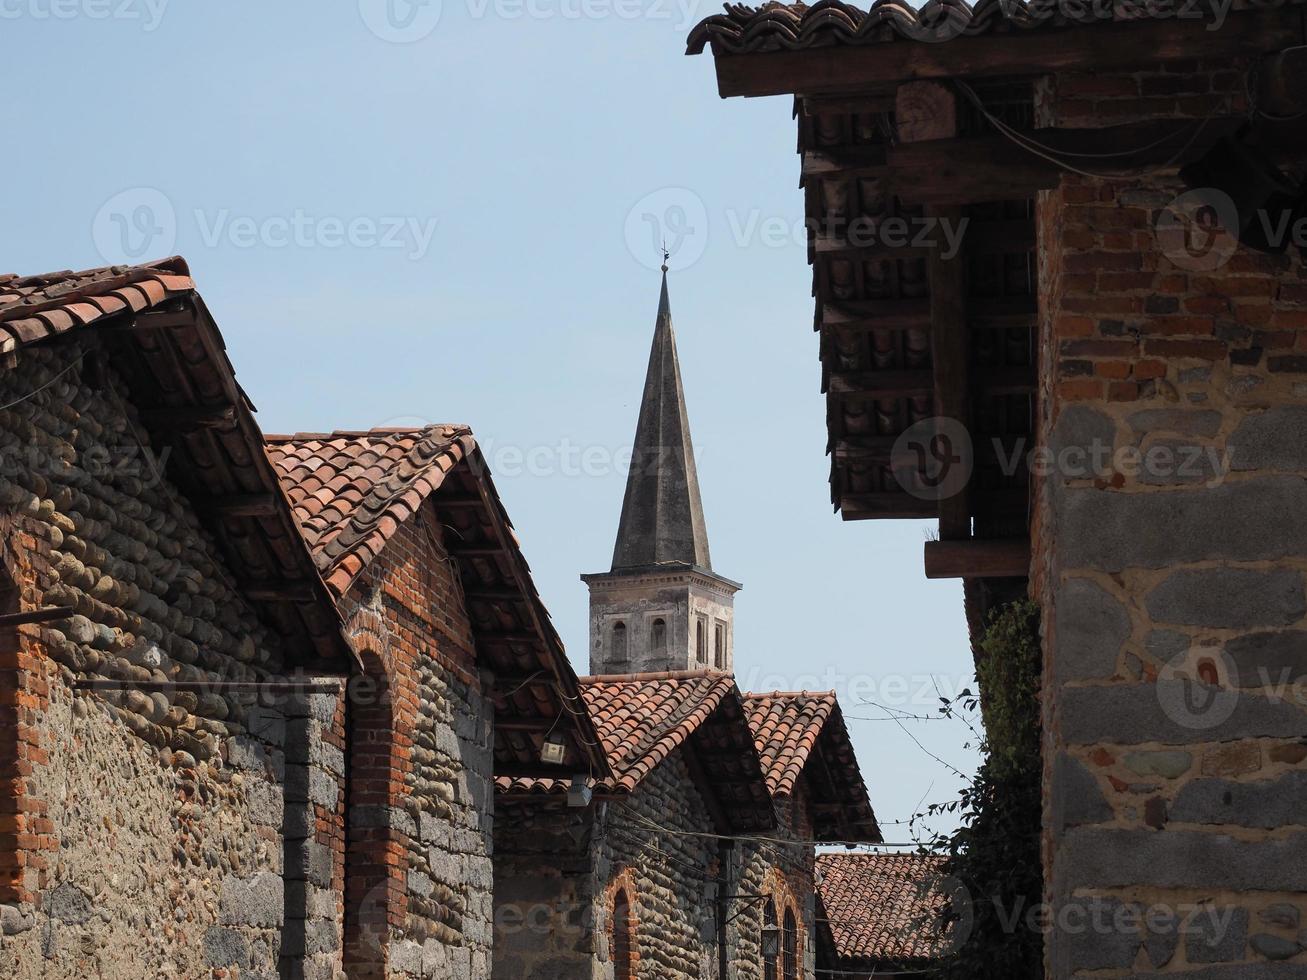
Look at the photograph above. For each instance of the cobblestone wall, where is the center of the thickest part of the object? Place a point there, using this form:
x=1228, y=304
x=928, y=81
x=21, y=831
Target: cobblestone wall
x=139, y=833
x=1172, y=583
x=558, y=871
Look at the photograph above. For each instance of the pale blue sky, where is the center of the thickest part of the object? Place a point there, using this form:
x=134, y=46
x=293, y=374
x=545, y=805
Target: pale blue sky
x=298, y=160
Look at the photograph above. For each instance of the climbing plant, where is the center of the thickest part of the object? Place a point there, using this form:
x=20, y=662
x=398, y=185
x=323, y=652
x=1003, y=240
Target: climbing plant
x=992, y=860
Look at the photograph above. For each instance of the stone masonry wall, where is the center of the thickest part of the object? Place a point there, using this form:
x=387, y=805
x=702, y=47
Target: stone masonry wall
x=1173, y=571
x=139, y=833
x=558, y=871
x=439, y=814
x=785, y=873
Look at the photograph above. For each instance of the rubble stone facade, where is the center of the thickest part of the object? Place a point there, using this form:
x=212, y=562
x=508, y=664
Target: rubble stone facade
x=140, y=833
x=306, y=833
x=1171, y=576
x=559, y=872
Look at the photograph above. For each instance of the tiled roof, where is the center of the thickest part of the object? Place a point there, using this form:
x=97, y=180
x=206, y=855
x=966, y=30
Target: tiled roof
x=172, y=357
x=791, y=26
x=641, y=719
x=785, y=728
x=882, y=908
x=641, y=722
x=35, y=307
x=352, y=490
x=789, y=729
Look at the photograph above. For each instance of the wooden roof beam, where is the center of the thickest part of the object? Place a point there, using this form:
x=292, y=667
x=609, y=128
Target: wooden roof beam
x=877, y=385
x=847, y=69
x=978, y=559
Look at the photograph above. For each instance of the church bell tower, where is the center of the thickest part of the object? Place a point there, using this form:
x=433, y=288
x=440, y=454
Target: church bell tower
x=661, y=607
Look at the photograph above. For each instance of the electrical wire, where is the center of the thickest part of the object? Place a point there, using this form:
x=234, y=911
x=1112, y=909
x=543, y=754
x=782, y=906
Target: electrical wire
x=1051, y=154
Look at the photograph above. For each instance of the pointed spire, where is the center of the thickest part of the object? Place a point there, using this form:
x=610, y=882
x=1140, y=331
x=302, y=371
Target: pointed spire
x=662, y=515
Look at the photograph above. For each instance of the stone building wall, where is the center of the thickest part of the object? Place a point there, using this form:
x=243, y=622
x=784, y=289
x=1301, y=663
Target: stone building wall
x=430, y=801
x=1172, y=584
x=785, y=873
x=558, y=872
x=139, y=833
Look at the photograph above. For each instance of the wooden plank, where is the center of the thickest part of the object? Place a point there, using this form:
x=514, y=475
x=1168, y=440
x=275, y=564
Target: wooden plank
x=49, y=614
x=964, y=171
x=1003, y=314
x=885, y=506
x=855, y=161
x=280, y=592
x=240, y=505
x=189, y=417
x=978, y=559
x=949, y=346
x=869, y=103
x=872, y=385
x=845, y=69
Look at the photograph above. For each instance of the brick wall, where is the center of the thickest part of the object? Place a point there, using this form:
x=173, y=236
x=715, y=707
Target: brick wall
x=419, y=882
x=1172, y=583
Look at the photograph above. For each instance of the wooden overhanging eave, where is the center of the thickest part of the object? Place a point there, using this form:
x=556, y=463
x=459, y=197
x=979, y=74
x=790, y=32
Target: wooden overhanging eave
x=893, y=355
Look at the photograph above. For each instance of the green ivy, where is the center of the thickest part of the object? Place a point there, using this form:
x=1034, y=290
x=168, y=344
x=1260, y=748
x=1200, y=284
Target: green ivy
x=994, y=854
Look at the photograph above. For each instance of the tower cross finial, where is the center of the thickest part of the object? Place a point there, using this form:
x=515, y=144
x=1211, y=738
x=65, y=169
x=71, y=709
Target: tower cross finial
x=666, y=255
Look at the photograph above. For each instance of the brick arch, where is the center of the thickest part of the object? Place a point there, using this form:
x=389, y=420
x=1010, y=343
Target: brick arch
x=776, y=888
x=622, y=886
x=375, y=847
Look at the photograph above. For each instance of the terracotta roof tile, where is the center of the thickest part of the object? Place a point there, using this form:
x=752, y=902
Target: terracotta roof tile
x=882, y=907
x=33, y=307
x=641, y=719
x=792, y=26
x=787, y=728
x=352, y=490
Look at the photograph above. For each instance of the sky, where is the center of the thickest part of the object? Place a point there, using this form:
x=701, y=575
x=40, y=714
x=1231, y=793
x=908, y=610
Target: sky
x=451, y=212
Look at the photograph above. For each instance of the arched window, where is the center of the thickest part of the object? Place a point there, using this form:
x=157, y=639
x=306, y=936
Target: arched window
x=623, y=939
x=619, y=641
x=769, y=941
x=658, y=635
x=789, y=948
x=701, y=641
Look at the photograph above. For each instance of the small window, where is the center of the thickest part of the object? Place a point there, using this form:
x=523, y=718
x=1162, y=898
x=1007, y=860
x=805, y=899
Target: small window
x=701, y=640
x=789, y=948
x=619, y=641
x=719, y=645
x=658, y=636
x=769, y=949
x=623, y=940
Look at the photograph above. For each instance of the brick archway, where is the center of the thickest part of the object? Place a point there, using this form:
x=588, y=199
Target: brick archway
x=375, y=847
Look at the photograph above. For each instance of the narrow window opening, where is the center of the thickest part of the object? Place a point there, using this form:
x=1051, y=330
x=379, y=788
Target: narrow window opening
x=719, y=646
x=789, y=948
x=701, y=641
x=658, y=636
x=619, y=641
x=623, y=940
